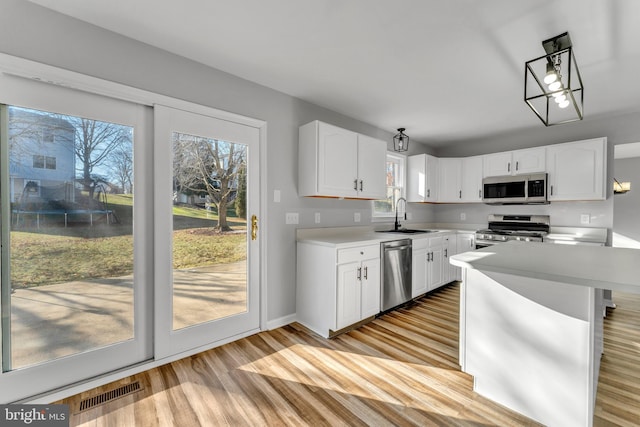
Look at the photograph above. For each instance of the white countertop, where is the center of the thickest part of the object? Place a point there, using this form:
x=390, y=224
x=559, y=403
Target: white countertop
x=358, y=236
x=594, y=266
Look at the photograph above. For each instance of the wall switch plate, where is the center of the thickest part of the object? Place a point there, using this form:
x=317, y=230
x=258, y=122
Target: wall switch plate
x=463, y=216
x=291, y=218
x=356, y=217
x=317, y=217
x=585, y=219
x=276, y=196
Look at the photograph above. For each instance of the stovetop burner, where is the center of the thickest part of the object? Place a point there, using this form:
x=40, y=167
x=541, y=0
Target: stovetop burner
x=503, y=228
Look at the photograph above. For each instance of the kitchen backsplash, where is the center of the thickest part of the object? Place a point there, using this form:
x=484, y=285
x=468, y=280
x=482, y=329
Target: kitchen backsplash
x=562, y=214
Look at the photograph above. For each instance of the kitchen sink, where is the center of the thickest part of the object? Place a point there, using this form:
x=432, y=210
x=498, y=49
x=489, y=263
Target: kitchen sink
x=407, y=231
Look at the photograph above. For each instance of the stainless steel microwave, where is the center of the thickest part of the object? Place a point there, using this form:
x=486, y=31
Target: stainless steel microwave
x=515, y=189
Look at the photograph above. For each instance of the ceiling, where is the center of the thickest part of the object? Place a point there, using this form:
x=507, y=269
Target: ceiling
x=445, y=70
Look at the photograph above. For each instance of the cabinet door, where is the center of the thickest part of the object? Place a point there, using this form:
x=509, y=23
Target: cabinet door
x=531, y=160
x=496, y=164
x=348, y=304
x=337, y=161
x=450, y=180
x=370, y=288
x=419, y=272
x=417, y=178
x=577, y=170
x=422, y=178
x=372, y=159
x=435, y=272
x=450, y=250
x=472, y=179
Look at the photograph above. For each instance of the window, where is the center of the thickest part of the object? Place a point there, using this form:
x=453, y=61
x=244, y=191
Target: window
x=44, y=162
x=395, y=171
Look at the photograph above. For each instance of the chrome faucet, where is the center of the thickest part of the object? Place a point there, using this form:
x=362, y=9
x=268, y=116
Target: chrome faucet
x=396, y=226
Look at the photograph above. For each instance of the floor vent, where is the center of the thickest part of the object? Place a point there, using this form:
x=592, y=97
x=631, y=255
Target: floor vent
x=108, y=396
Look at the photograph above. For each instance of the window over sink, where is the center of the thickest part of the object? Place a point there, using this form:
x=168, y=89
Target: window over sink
x=395, y=187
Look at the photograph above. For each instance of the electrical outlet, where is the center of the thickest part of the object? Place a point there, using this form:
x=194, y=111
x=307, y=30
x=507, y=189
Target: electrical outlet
x=291, y=218
x=463, y=216
x=317, y=217
x=585, y=219
x=356, y=217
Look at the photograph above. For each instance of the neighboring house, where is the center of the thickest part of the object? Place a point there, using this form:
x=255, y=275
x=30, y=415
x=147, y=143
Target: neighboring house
x=41, y=157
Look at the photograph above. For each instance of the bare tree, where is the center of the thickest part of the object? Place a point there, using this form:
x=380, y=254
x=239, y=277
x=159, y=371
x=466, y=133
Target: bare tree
x=121, y=163
x=208, y=166
x=95, y=141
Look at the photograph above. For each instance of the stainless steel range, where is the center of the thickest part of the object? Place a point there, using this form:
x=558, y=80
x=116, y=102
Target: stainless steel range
x=502, y=228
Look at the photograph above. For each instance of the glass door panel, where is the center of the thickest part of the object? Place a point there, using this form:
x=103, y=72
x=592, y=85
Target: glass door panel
x=74, y=269
x=207, y=262
x=70, y=270
x=209, y=229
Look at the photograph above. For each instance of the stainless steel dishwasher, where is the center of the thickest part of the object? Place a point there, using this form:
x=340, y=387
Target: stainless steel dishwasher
x=396, y=273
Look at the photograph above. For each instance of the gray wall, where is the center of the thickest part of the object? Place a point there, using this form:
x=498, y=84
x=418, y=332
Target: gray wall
x=621, y=129
x=32, y=32
x=626, y=207
x=35, y=33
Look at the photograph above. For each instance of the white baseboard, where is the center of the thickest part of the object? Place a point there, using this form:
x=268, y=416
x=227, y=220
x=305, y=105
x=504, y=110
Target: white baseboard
x=282, y=321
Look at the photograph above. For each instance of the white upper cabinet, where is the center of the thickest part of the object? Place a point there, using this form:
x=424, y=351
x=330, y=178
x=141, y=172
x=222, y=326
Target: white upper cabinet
x=460, y=180
x=422, y=178
x=335, y=162
x=450, y=180
x=372, y=160
x=517, y=162
x=577, y=170
x=472, y=179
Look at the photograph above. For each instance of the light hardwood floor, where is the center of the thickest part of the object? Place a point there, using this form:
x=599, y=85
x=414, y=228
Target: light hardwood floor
x=401, y=369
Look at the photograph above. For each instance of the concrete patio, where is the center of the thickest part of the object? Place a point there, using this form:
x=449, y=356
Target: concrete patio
x=53, y=321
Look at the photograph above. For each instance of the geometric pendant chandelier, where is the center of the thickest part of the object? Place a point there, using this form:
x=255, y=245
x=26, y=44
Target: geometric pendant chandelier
x=552, y=83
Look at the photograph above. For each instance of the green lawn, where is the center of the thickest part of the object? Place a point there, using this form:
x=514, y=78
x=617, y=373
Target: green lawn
x=55, y=254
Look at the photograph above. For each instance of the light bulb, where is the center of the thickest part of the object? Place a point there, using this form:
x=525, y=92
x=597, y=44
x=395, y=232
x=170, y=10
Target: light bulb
x=559, y=93
x=560, y=99
x=564, y=104
x=555, y=86
x=550, y=77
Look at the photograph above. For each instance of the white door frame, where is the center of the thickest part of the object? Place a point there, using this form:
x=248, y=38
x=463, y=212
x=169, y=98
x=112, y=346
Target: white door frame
x=27, y=69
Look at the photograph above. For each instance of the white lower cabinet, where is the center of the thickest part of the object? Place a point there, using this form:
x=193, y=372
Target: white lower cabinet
x=430, y=266
x=465, y=242
x=419, y=270
x=336, y=287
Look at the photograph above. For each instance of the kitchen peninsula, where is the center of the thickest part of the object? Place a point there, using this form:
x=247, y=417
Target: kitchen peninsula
x=531, y=324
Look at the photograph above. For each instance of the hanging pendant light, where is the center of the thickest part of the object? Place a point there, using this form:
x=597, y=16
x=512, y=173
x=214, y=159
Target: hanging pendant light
x=555, y=77
x=401, y=141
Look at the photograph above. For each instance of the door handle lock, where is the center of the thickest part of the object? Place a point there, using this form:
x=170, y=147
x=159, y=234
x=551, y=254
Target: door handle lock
x=254, y=227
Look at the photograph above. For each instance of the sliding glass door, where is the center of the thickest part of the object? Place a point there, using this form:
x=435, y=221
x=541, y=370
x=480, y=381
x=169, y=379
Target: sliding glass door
x=74, y=267
x=206, y=230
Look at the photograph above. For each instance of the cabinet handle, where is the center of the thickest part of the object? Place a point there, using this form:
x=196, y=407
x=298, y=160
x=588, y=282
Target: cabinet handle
x=552, y=190
x=429, y=256
x=365, y=273
x=359, y=273
x=355, y=184
x=460, y=194
x=509, y=167
x=479, y=194
x=360, y=185
x=428, y=192
x=517, y=165
x=445, y=253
